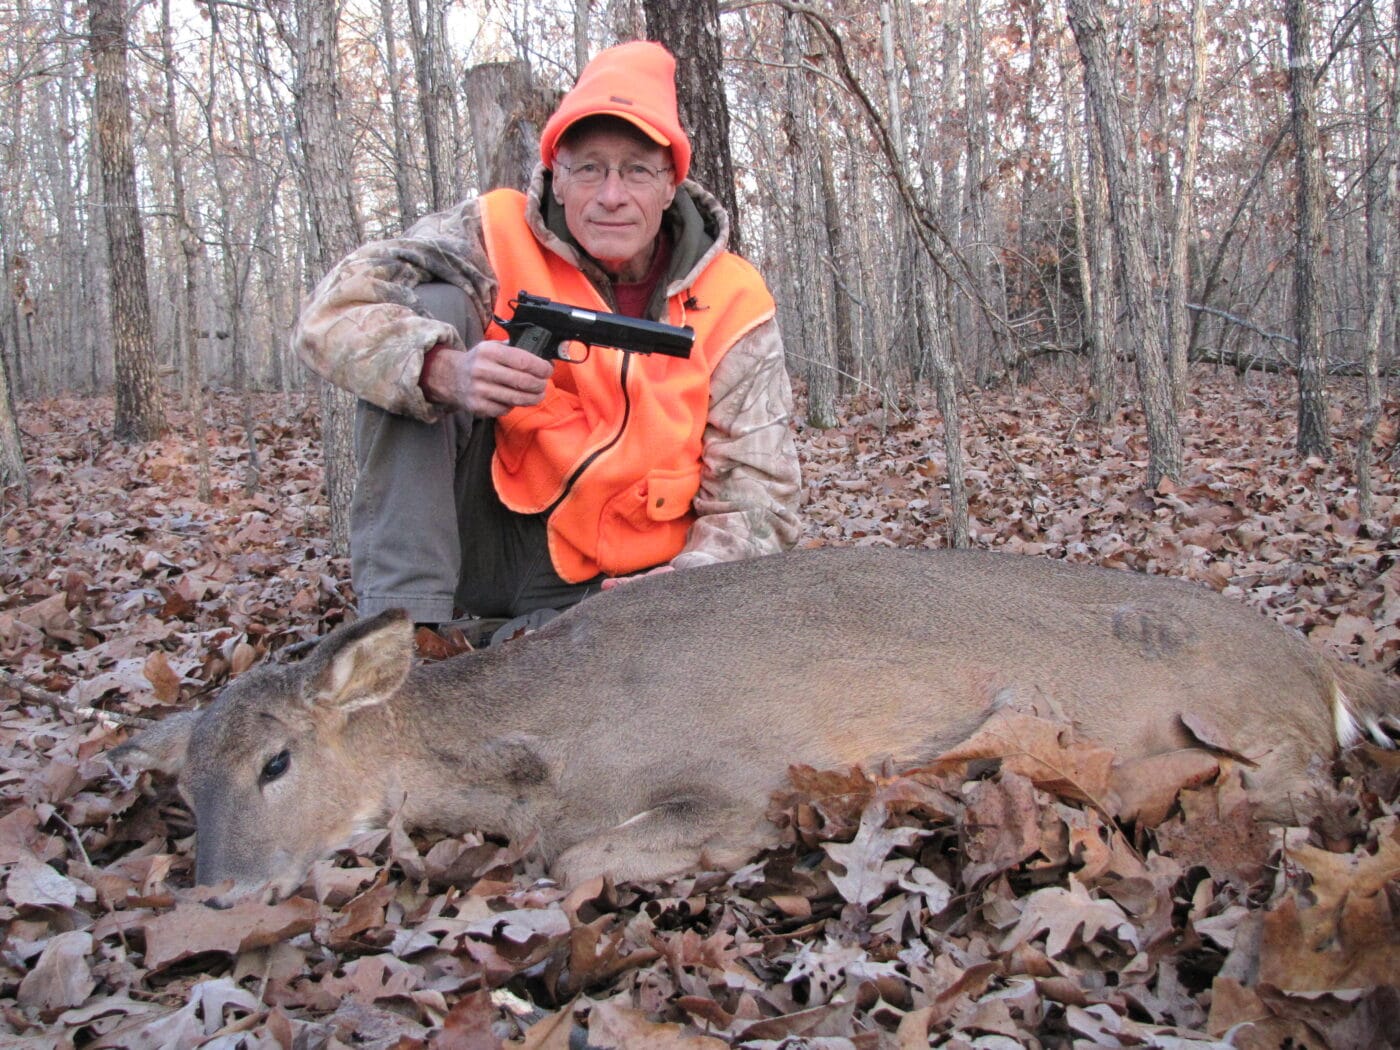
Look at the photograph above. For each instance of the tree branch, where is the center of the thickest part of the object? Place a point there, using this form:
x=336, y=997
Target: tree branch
x=33, y=694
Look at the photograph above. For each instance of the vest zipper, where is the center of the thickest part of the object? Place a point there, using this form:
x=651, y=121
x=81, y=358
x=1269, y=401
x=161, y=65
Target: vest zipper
x=593, y=456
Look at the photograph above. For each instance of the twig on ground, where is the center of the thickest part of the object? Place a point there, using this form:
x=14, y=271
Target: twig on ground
x=34, y=694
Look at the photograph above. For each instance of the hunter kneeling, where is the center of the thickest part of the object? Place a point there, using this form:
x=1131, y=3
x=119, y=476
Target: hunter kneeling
x=495, y=483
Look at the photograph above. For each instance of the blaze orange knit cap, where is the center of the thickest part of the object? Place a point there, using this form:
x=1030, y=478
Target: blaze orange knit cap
x=636, y=82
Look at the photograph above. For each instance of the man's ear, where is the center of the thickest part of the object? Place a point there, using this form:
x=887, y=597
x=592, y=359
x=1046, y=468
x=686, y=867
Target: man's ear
x=360, y=665
x=164, y=747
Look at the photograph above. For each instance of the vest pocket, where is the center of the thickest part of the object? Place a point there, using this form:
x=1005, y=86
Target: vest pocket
x=668, y=493
x=645, y=524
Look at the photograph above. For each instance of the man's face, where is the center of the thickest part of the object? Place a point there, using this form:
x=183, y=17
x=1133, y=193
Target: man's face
x=616, y=221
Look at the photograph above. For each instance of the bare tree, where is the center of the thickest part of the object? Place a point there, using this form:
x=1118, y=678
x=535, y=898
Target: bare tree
x=581, y=13
x=1086, y=19
x=335, y=221
x=140, y=413
x=809, y=325
x=937, y=250
x=12, y=471
x=1178, y=315
x=690, y=30
x=397, y=117
x=975, y=182
x=1382, y=144
x=1089, y=205
x=191, y=249
x=1307, y=284
x=436, y=99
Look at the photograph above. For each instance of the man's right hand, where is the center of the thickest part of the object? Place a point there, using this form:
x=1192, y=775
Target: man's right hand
x=488, y=380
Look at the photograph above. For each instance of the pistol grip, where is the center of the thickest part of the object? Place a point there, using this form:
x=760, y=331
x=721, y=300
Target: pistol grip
x=539, y=342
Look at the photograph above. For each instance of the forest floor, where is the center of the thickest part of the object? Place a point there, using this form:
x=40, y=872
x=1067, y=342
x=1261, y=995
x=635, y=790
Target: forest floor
x=925, y=908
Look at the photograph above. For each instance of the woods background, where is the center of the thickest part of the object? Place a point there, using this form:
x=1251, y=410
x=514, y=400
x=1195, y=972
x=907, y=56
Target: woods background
x=935, y=191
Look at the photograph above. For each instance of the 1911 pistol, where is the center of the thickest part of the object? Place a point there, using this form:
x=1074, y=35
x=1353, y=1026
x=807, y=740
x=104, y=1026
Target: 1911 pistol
x=542, y=326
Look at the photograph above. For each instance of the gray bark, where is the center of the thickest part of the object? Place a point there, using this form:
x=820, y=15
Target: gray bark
x=1382, y=144
x=403, y=186
x=335, y=222
x=690, y=30
x=506, y=110
x=1178, y=290
x=1313, y=437
x=1165, y=455
x=140, y=413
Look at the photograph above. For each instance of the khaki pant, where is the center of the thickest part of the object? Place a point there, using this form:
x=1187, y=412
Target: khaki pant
x=427, y=530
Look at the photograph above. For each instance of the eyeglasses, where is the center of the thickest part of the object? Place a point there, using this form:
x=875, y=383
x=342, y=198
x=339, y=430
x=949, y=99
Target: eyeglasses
x=591, y=174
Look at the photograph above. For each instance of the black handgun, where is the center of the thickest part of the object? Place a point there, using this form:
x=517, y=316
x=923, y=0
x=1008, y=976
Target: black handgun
x=541, y=326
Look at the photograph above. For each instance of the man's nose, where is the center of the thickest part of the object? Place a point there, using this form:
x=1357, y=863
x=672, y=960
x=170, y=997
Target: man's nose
x=612, y=190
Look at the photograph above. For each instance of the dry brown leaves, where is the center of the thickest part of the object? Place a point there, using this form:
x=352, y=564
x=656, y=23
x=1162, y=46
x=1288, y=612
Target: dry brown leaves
x=1026, y=890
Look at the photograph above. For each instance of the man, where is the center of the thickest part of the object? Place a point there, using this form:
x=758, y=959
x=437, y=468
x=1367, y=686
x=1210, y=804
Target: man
x=591, y=471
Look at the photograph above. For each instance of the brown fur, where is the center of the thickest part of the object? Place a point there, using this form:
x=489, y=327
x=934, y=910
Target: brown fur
x=641, y=733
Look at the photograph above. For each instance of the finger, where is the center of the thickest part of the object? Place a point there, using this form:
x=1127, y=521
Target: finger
x=514, y=358
x=492, y=401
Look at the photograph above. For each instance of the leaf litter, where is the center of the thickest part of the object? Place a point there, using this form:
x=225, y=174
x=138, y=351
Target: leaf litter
x=1028, y=889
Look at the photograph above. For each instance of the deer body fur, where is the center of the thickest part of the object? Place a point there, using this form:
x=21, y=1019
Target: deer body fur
x=641, y=733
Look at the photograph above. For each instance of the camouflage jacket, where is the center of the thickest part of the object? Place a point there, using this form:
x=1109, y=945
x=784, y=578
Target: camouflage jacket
x=364, y=329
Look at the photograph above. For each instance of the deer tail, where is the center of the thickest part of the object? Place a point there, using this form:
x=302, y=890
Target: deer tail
x=1365, y=706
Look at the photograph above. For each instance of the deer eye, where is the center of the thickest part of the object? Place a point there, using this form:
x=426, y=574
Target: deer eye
x=276, y=766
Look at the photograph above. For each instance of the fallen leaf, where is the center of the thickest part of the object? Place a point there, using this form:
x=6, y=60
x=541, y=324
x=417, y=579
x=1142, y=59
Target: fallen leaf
x=1069, y=917
x=62, y=977
x=614, y=1027
x=192, y=928
x=868, y=869
x=32, y=884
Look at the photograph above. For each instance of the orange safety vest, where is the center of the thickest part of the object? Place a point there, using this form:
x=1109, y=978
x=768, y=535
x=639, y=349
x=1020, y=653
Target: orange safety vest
x=612, y=453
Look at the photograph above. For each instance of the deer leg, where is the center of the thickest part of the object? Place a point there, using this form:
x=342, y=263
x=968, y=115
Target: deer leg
x=679, y=835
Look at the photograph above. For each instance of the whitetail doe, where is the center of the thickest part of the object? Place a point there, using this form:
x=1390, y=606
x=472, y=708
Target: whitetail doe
x=641, y=733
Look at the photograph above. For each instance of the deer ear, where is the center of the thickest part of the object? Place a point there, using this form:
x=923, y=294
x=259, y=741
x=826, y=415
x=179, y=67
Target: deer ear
x=361, y=665
x=164, y=747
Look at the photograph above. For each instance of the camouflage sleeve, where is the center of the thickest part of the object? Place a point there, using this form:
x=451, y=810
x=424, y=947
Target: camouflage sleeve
x=363, y=327
x=750, y=485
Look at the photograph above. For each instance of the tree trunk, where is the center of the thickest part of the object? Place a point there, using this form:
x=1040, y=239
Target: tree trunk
x=1086, y=19
x=812, y=329
x=1307, y=285
x=506, y=110
x=435, y=100
x=190, y=249
x=976, y=342
x=581, y=33
x=12, y=470
x=1103, y=328
x=690, y=30
x=403, y=186
x=140, y=413
x=335, y=223
x=1178, y=316
x=1088, y=201
x=1382, y=145
x=843, y=337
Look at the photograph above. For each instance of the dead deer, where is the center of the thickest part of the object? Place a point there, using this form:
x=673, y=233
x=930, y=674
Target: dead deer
x=641, y=733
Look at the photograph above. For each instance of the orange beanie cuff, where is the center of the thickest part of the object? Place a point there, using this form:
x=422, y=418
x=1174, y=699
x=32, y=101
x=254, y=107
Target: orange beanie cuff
x=636, y=82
